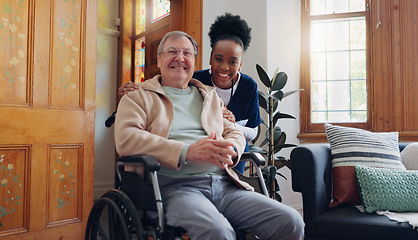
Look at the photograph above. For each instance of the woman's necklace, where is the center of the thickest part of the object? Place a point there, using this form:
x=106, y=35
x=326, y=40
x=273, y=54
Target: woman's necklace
x=232, y=90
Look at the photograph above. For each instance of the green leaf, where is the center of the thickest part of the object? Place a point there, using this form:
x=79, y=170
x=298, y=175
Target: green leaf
x=264, y=123
x=280, y=161
x=278, y=95
x=281, y=175
x=292, y=92
x=60, y=203
x=15, y=179
x=263, y=100
x=278, y=141
x=263, y=76
x=3, y=211
x=279, y=115
x=264, y=142
x=258, y=135
x=277, y=133
x=279, y=81
x=7, y=8
x=280, y=158
x=281, y=146
x=63, y=24
x=275, y=105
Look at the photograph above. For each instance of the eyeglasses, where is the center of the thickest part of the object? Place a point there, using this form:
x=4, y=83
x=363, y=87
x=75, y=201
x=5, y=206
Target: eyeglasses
x=173, y=52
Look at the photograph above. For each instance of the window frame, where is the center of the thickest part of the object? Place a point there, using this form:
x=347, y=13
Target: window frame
x=150, y=27
x=314, y=132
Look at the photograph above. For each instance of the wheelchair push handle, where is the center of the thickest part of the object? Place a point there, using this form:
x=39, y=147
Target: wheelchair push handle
x=110, y=120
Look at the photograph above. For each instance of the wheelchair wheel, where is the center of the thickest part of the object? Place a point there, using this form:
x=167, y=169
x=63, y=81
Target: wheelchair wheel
x=114, y=216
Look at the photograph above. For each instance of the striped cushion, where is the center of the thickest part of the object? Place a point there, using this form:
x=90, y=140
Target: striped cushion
x=350, y=146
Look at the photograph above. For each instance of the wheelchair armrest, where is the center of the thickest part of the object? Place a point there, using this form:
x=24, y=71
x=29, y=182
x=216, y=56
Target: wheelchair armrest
x=256, y=158
x=149, y=163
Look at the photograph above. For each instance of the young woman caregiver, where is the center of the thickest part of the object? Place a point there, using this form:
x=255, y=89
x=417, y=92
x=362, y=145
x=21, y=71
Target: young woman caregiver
x=230, y=37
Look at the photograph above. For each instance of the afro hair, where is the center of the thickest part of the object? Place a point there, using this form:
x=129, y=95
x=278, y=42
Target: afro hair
x=230, y=25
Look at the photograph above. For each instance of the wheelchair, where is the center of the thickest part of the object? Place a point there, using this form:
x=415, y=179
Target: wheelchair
x=135, y=208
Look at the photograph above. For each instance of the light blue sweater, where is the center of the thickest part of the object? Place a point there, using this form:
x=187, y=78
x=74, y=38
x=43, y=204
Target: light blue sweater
x=187, y=128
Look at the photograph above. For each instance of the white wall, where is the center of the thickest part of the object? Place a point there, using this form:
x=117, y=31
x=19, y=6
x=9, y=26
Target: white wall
x=275, y=43
x=107, y=40
x=254, y=13
x=283, y=34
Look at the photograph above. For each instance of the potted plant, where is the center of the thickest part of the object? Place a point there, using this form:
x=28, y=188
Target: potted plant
x=275, y=139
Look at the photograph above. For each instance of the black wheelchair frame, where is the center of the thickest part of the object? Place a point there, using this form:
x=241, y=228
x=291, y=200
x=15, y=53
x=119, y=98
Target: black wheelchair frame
x=135, y=210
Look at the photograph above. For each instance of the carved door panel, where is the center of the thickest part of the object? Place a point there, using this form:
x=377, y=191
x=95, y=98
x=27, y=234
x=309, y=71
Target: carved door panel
x=47, y=91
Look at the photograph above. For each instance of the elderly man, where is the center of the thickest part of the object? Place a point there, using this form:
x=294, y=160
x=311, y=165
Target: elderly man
x=179, y=121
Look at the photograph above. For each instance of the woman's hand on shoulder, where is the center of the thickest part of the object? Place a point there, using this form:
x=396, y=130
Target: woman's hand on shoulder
x=125, y=88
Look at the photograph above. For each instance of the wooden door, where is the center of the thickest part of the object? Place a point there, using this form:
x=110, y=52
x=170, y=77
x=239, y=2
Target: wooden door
x=47, y=91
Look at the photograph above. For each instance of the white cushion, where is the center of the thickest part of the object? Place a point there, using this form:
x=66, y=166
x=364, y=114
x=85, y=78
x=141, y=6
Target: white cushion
x=409, y=156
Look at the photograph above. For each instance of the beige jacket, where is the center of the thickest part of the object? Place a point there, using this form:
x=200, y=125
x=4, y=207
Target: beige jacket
x=144, y=118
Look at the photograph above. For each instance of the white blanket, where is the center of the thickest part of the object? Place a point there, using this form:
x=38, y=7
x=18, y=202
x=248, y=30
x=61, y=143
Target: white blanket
x=409, y=217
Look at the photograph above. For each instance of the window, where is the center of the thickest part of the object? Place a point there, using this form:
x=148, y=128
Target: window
x=335, y=69
x=160, y=9
x=144, y=24
x=338, y=61
x=358, y=67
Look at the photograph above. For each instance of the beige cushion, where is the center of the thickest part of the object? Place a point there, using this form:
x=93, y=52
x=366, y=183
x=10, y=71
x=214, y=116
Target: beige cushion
x=409, y=156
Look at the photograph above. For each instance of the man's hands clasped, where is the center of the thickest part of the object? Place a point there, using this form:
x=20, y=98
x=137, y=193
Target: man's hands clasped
x=212, y=150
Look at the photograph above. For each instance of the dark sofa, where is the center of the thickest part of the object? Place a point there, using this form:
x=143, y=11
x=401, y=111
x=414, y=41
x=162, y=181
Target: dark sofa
x=311, y=175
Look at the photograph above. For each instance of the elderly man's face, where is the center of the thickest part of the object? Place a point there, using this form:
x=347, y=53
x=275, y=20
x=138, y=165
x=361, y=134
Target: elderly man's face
x=177, y=62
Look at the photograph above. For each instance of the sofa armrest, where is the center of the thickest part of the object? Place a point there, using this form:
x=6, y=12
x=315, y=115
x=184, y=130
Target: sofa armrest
x=311, y=175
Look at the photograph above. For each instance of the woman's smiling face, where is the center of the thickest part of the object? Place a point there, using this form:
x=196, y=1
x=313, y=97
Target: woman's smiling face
x=225, y=61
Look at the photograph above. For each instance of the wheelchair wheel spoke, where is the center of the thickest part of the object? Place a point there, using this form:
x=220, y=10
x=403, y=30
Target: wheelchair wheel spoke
x=107, y=222
x=111, y=222
x=101, y=234
x=129, y=212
